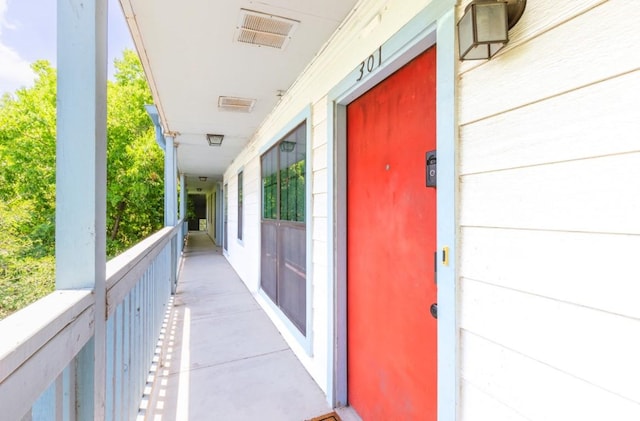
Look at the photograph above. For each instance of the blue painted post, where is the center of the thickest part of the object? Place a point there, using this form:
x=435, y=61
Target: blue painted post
x=81, y=179
x=170, y=199
x=183, y=209
x=176, y=239
x=170, y=205
x=152, y=110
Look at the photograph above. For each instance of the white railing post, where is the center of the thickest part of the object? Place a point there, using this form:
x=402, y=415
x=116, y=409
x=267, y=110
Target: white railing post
x=81, y=180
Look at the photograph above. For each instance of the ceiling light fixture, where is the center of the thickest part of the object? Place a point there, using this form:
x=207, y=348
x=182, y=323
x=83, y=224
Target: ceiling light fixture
x=202, y=178
x=215, y=139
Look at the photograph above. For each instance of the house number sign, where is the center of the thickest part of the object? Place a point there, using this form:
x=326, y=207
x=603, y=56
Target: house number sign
x=372, y=62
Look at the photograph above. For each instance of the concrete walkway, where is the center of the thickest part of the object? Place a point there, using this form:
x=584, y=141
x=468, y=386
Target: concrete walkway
x=222, y=357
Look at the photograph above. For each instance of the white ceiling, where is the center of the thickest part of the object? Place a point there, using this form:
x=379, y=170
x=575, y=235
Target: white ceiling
x=191, y=58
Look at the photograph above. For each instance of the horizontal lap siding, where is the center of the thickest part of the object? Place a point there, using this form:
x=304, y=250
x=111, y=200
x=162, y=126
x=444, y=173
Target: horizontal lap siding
x=478, y=404
x=595, y=118
x=590, y=195
x=597, y=347
x=534, y=389
x=549, y=226
x=598, y=271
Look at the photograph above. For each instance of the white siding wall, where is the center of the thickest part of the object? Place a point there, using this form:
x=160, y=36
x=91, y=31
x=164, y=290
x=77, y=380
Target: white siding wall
x=550, y=218
x=341, y=55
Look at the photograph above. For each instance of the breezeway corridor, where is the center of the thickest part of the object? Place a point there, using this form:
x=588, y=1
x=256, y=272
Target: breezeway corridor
x=222, y=358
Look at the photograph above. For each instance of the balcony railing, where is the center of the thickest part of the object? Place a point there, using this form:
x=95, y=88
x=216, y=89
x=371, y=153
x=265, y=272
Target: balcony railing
x=43, y=346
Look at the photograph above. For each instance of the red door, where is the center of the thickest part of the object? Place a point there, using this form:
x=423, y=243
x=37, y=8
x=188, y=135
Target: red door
x=391, y=238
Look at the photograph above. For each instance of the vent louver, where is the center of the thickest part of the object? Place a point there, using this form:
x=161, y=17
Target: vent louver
x=261, y=29
x=230, y=103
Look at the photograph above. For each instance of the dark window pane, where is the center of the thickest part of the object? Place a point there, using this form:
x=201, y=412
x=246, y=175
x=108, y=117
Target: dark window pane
x=269, y=262
x=269, y=184
x=293, y=174
x=292, y=280
x=283, y=249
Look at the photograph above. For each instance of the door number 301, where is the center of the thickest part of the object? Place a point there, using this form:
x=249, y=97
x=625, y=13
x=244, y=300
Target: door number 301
x=372, y=62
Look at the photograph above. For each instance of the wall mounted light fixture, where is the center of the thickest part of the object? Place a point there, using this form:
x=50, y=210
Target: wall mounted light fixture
x=202, y=178
x=286, y=146
x=484, y=27
x=215, y=139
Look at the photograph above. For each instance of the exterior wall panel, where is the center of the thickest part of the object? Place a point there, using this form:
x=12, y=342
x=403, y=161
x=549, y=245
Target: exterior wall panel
x=534, y=390
x=549, y=231
x=548, y=131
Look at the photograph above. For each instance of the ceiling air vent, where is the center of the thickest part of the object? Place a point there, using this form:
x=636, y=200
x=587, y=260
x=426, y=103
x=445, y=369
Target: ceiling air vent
x=229, y=103
x=261, y=29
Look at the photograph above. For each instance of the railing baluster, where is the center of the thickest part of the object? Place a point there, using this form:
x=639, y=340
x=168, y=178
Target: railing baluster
x=45, y=407
x=139, y=284
x=110, y=366
x=126, y=384
x=68, y=392
x=137, y=354
x=119, y=360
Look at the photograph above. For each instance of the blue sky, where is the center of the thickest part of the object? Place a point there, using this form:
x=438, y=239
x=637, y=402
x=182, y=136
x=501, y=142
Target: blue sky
x=28, y=33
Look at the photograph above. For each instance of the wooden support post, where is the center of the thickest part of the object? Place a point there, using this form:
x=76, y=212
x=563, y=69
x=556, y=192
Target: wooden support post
x=81, y=180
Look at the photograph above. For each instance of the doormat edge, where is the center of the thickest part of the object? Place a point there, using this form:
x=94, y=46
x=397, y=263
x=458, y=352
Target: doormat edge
x=331, y=416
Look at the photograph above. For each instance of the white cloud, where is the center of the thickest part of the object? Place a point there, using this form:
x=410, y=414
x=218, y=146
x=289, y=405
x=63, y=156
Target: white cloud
x=3, y=12
x=15, y=72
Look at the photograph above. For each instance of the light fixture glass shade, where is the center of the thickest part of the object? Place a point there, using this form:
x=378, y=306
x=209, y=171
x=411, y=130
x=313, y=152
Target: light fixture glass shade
x=286, y=146
x=483, y=30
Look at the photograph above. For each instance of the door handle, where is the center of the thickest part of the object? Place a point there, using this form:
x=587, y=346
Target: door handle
x=434, y=310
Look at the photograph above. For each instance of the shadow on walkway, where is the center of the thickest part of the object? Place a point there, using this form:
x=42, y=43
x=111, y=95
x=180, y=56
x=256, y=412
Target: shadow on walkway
x=222, y=357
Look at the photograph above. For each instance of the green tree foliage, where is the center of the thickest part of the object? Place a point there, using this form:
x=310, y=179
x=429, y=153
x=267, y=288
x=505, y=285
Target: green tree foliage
x=27, y=178
x=25, y=275
x=135, y=189
x=27, y=155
